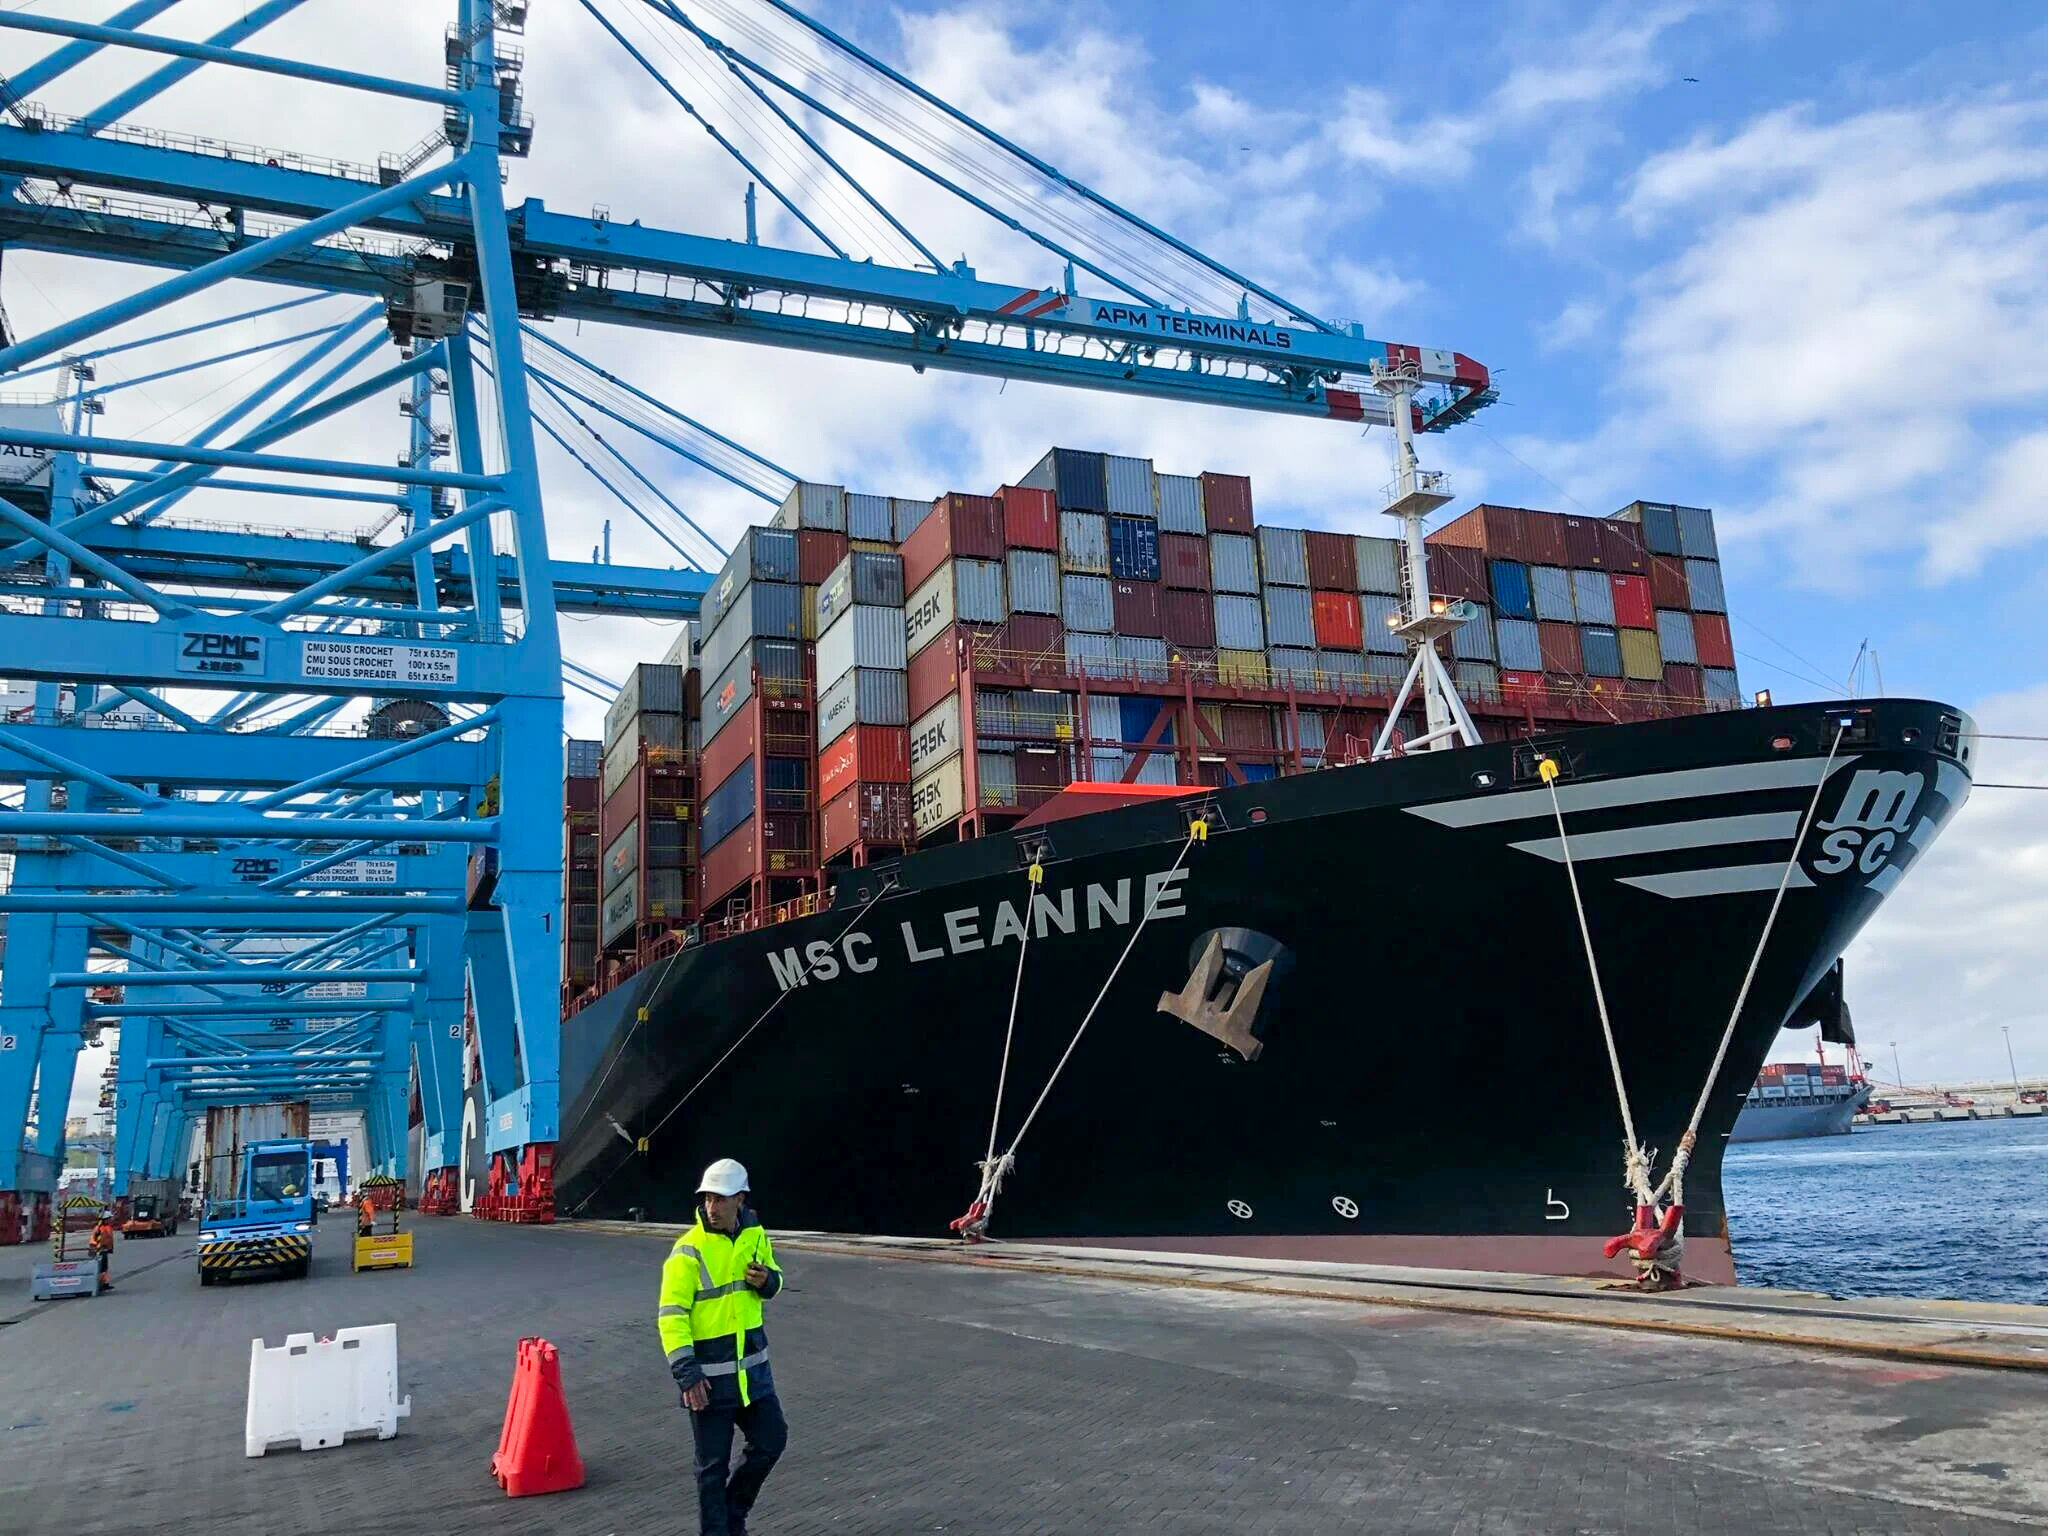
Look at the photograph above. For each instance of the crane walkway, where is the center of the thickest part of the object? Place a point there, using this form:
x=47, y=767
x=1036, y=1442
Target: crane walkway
x=992, y=1397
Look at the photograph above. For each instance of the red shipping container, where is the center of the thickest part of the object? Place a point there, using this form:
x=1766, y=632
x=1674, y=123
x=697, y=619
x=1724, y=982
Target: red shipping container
x=935, y=671
x=864, y=813
x=1522, y=687
x=1198, y=660
x=818, y=552
x=727, y=867
x=1543, y=538
x=580, y=794
x=1710, y=637
x=1458, y=572
x=1633, y=608
x=1668, y=586
x=1582, y=544
x=1560, y=646
x=1184, y=561
x=1683, y=682
x=1188, y=618
x=1247, y=728
x=865, y=754
x=1622, y=547
x=1339, y=626
x=1031, y=519
x=1332, y=562
x=728, y=749
x=1034, y=636
x=1136, y=608
x=970, y=527
x=1227, y=502
x=1041, y=768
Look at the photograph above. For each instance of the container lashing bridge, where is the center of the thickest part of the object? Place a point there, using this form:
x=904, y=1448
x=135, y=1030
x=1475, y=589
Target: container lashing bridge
x=285, y=806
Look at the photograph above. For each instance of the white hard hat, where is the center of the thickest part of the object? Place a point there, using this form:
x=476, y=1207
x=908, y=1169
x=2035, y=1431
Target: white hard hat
x=724, y=1177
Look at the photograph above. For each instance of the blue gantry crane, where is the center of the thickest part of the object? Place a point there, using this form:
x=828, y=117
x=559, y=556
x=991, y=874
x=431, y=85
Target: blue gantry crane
x=289, y=796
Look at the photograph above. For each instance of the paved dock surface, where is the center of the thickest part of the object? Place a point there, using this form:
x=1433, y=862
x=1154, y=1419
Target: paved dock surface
x=937, y=1397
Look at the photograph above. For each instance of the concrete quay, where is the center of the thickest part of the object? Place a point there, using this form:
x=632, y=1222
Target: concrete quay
x=1013, y=1388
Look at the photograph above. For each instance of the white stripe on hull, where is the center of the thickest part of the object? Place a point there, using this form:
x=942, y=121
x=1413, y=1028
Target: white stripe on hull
x=1728, y=880
x=1708, y=832
x=1643, y=789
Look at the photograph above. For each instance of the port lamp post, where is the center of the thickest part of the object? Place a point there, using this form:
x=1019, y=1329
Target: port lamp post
x=2011, y=1065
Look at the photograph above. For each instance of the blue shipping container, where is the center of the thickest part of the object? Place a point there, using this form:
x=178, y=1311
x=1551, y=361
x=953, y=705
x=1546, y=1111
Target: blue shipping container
x=1703, y=580
x=1552, y=589
x=1520, y=650
x=1086, y=604
x=728, y=807
x=1139, y=715
x=1134, y=549
x=1600, y=648
x=1512, y=598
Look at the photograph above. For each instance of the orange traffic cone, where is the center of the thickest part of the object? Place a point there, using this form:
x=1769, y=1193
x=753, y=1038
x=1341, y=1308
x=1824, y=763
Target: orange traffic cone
x=537, y=1446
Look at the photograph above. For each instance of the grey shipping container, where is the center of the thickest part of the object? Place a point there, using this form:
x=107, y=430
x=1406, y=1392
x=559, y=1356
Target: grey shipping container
x=1477, y=680
x=1234, y=562
x=1721, y=687
x=1696, y=533
x=1180, y=505
x=682, y=648
x=764, y=610
x=1293, y=664
x=1159, y=768
x=1345, y=666
x=813, y=506
x=1129, y=484
x=1314, y=728
x=861, y=637
x=1703, y=577
x=962, y=591
x=1386, y=671
x=1084, y=543
x=1552, y=587
x=581, y=759
x=1379, y=564
x=870, y=517
x=909, y=513
x=1593, y=596
x=864, y=696
x=759, y=554
x=1379, y=610
x=1034, y=577
x=1023, y=713
x=1092, y=654
x=666, y=731
x=1240, y=622
x=1289, y=618
x=864, y=576
x=1519, y=648
x=1086, y=603
x=1600, y=649
x=1105, y=718
x=1283, y=557
x=1142, y=656
x=649, y=688
x=1675, y=637
x=996, y=773
x=727, y=694
x=1473, y=640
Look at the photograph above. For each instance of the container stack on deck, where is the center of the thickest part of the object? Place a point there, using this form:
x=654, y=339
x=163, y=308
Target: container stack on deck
x=582, y=764
x=876, y=672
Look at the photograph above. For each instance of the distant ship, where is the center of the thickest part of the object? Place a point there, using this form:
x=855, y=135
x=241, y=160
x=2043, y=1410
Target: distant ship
x=1792, y=1098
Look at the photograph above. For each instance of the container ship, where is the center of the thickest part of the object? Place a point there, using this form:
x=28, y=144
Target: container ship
x=1102, y=744
x=1792, y=1099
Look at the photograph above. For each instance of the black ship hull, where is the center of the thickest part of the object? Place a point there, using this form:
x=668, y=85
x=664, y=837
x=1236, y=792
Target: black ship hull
x=1421, y=1079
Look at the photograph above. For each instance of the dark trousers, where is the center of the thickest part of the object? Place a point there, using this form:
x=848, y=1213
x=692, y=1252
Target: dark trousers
x=722, y=1501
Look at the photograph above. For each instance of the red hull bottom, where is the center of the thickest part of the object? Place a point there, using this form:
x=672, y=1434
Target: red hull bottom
x=1708, y=1260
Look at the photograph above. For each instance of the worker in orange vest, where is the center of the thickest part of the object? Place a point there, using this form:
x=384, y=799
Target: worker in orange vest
x=366, y=1215
x=102, y=1246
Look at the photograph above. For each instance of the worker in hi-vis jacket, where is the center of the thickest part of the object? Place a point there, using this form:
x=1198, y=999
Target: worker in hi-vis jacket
x=712, y=1286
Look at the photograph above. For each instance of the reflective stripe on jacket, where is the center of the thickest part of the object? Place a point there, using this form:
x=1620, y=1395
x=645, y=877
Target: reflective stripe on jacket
x=709, y=1317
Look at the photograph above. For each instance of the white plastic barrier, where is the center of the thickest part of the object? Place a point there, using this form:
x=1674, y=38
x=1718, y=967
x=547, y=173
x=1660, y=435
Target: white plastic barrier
x=318, y=1392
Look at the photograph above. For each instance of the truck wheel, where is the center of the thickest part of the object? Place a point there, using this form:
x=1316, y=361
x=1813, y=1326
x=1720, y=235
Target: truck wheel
x=206, y=1277
x=301, y=1269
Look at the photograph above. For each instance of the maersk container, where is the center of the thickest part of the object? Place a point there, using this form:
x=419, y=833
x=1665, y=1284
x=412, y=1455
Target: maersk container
x=1128, y=483
x=1086, y=603
x=1519, y=646
x=864, y=696
x=1133, y=549
x=1137, y=716
x=1703, y=581
x=1346, y=667
x=870, y=517
x=1283, y=557
x=1696, y=533
x=935, y=737
x=1551, y=591
x=1184, y=562
x=649, y=689
x=1234, y=563
x=1593, y=597
x=1034, y=577
x=1675, y=637
x=969, y=591
x=1142, y=656
x=813, y=506
x=1180, y=505
x=862, y=637
x=1722, y=688
x=1379, y=613
x=1379, y=564
x=1084, y=543
x=1240, y=622
x=1080, y=480
x=1091, y=653
x=1290, y=617
x=1293, y=665
x=727, y=806
x=1641, y=660
x=1473, y=640
x=1600, y=646
x=1512, y=597
x=864, y=577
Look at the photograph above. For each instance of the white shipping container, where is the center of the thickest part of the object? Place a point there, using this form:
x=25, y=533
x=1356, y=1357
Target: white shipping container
x=1234, y=563
x=968, y=590
x=1180, y=505
x=1283, y=557
x=935, y=798
x=862, y=637
x=1379, y=564
x=813, y=506
x=1106, y=766
x=1159, y=768
x=1084, y=543
x=935, y=737
x=1130, y=487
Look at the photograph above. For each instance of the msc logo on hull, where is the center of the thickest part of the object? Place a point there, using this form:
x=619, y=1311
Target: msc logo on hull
x=1876, y=811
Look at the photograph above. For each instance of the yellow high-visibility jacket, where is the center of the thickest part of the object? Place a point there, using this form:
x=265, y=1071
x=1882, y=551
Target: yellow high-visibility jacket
x=709, y=1318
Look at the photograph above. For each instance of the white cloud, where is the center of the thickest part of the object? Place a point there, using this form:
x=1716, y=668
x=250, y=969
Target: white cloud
x=1574, y=323
x=2011, y=511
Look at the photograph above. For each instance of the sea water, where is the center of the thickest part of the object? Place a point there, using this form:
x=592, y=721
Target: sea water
x=1957, y=1211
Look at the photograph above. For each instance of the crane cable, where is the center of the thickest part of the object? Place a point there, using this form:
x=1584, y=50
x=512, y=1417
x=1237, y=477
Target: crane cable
x=1635, y=1159
x=994, y=1168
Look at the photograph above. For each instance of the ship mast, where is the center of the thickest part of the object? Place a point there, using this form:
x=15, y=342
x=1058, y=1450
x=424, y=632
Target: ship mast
x=1411, y=496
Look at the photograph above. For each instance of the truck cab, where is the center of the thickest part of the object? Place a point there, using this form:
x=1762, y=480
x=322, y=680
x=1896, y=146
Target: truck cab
x=268, y=1227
